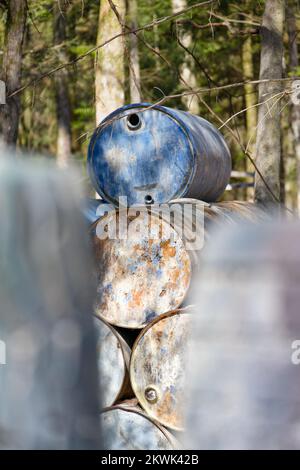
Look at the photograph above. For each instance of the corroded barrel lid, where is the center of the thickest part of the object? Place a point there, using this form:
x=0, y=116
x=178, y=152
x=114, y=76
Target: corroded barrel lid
x=142, y=276
x=113, y=355
x=157, y=367
x=127, y=427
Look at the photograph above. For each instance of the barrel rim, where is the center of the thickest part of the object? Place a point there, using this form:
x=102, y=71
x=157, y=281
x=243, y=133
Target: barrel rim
x=125, y=360
x=119, y=112
x=137, y=409
x=172, y=313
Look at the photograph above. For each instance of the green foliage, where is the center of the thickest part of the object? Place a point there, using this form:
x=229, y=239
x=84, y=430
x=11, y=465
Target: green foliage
x=294, y=72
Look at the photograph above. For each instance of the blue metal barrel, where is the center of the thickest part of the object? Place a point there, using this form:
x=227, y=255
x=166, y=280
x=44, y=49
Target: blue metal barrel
x=152, y=154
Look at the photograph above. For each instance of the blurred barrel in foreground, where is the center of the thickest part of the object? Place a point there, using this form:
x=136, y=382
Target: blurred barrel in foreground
x=92, y=209
x=48, y=386
x=89, y=209
x=126, y=427
x=152, y=154
x=142, y=275
x=113, y=363
x=157, y=368
x=244, y=370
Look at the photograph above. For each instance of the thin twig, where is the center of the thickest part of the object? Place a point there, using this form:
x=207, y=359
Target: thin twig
x=248, y=155
x=154, y=23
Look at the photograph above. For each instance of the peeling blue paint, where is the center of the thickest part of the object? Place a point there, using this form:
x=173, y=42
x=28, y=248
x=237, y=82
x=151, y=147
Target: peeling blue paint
x=150, y=315
x=132, y=267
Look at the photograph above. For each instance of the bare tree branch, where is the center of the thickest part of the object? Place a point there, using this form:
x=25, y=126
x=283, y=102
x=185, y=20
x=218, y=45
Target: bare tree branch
x=154, y=23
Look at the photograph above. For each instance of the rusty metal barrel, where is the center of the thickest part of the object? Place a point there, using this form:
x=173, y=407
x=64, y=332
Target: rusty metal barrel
x=126, y=427
x=244, y=371
x=158, y=365
x=113, y=356
x=152, y=154
x=145, y=256
x=140, y=273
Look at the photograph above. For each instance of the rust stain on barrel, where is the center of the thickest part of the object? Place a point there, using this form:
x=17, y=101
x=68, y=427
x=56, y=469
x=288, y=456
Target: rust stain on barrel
x=137, y=299
x=166, y=408
x=167, y=249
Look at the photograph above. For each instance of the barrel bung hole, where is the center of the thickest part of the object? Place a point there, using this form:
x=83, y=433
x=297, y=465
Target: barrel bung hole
x=151, y=394
x=149, y=199
x=134, y=122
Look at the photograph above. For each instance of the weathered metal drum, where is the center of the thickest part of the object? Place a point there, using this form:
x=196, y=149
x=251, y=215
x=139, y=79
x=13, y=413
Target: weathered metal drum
x=157, y=368
x=152, y=154
x=113, y=355
x=244, y=368
x=142, y=275
x=126, y=427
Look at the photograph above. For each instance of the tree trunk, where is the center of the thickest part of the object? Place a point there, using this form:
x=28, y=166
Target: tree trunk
x=156, y=44
x=282, y=164
x=250, y=102
x=11, y=69
x=268, y=147
x=295, y=104
x=186, y=69
x=250, y=94
x=110, y=76
x=134, y=65
x=63, y=107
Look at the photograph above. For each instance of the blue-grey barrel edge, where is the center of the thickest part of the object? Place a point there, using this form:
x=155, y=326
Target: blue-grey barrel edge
x=152, y=153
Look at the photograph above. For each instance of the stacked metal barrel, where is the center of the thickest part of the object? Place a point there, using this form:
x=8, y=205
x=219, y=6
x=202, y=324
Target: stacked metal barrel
x=151, y=155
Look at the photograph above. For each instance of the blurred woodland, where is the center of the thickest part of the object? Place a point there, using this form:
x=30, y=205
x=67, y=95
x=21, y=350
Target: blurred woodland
x=68, y=63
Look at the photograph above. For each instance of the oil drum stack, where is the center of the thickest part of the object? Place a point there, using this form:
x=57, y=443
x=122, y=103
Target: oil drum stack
x=147, y=156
